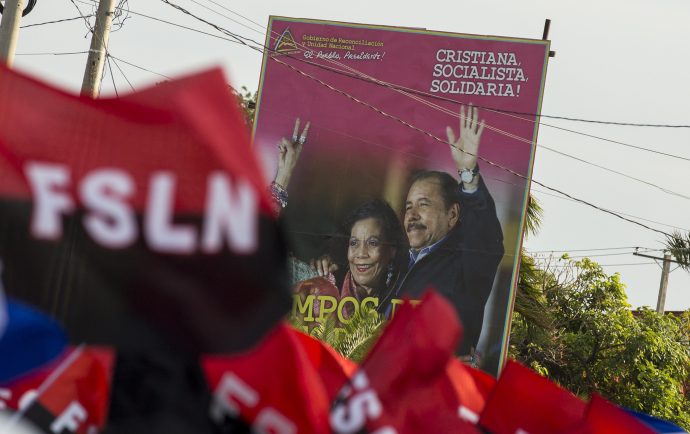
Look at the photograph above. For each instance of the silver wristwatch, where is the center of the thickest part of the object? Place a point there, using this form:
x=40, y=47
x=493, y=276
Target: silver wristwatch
x=467, y=175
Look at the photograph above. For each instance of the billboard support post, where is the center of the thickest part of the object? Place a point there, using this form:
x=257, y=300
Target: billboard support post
x=545, y=35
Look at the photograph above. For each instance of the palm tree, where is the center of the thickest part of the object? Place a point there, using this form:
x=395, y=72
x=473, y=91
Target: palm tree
x=679, y=246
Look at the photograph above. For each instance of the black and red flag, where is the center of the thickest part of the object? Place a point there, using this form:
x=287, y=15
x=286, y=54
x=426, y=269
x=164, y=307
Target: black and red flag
x=70, y=395
x=142, y=223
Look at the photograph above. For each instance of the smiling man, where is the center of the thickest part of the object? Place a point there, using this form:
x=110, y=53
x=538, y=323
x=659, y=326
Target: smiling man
x=455, y=238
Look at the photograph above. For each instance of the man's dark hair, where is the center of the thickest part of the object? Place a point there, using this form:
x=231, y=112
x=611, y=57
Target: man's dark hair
x=449, y=186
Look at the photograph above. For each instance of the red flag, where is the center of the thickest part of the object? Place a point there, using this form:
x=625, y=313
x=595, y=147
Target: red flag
x=403, y=385
x=275, y=387
x=334, y=369
x=605, y=418
x=70, y=395
x=523, y=401
x=472, y=388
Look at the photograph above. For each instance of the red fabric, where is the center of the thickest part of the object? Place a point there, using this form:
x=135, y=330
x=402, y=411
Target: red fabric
x=86, y=381
x=136, y=132
x=334, y=369
x=275, y=387
x=605, y=418
x=403, y=385
x=472, y=388
x=523, y=400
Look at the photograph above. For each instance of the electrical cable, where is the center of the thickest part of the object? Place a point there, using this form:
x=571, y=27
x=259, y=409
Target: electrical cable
x=112, y=77
x=86, y=20
x=629, y=264
x=123, y=74
x=261, y=26
x=581, y=160
x=599, y=255
x=51, y=53
x=225, y=16
x=141, y=67
x=598, y=249
x=618, y=212
x=173, y=24
x=53, y=22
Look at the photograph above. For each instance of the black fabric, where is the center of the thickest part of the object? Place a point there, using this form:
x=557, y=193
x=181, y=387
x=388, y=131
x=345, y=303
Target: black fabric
x=138, y=300
x=464, y=265
x=152, y=394
x=39, y=418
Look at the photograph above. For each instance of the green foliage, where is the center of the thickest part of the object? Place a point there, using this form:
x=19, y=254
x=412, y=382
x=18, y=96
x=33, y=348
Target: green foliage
x=679, y=246
x=353, y=339
x=587, y=339
x=247, y=101
x=535, y=213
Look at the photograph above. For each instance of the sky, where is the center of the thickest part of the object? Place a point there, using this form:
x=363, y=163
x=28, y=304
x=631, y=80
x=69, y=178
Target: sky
x=618, y=61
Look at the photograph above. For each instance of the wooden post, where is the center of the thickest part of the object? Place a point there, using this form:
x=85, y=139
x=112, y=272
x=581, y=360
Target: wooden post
x=99, y=43
x=9, y=30
x=661, y=301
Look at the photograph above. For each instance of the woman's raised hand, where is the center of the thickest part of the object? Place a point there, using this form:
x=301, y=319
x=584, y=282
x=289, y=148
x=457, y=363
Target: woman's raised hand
x=290, y=151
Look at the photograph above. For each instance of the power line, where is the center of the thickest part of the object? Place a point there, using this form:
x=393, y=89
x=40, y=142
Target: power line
x=261, y=26
x=616, y=211
x=86, y=20
x=225, y=16
x=141, y=67
x=240, y=39
x=53, y=22
x=112, y=77
x=581, y=160
x=174, y=24
x=600, y=255
x=628, y=264
x=599, y=249
x=52, y=53
x=617, y=142
x=123, y=74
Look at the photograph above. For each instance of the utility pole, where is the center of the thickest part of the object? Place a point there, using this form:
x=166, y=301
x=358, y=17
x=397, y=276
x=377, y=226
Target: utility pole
x=661, y=301
x=9, y=30
x=99, y=43
x=663, y=286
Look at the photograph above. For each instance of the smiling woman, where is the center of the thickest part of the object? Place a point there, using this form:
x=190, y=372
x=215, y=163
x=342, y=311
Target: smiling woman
x=376, y=250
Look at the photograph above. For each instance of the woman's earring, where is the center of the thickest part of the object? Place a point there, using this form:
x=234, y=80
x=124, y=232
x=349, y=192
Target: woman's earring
x=389, y=276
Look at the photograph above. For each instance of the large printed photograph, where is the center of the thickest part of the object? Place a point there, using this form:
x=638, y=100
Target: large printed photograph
x=400, y=160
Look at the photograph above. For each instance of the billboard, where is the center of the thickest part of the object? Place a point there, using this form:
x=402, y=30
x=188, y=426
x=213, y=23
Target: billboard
x=401, y=159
